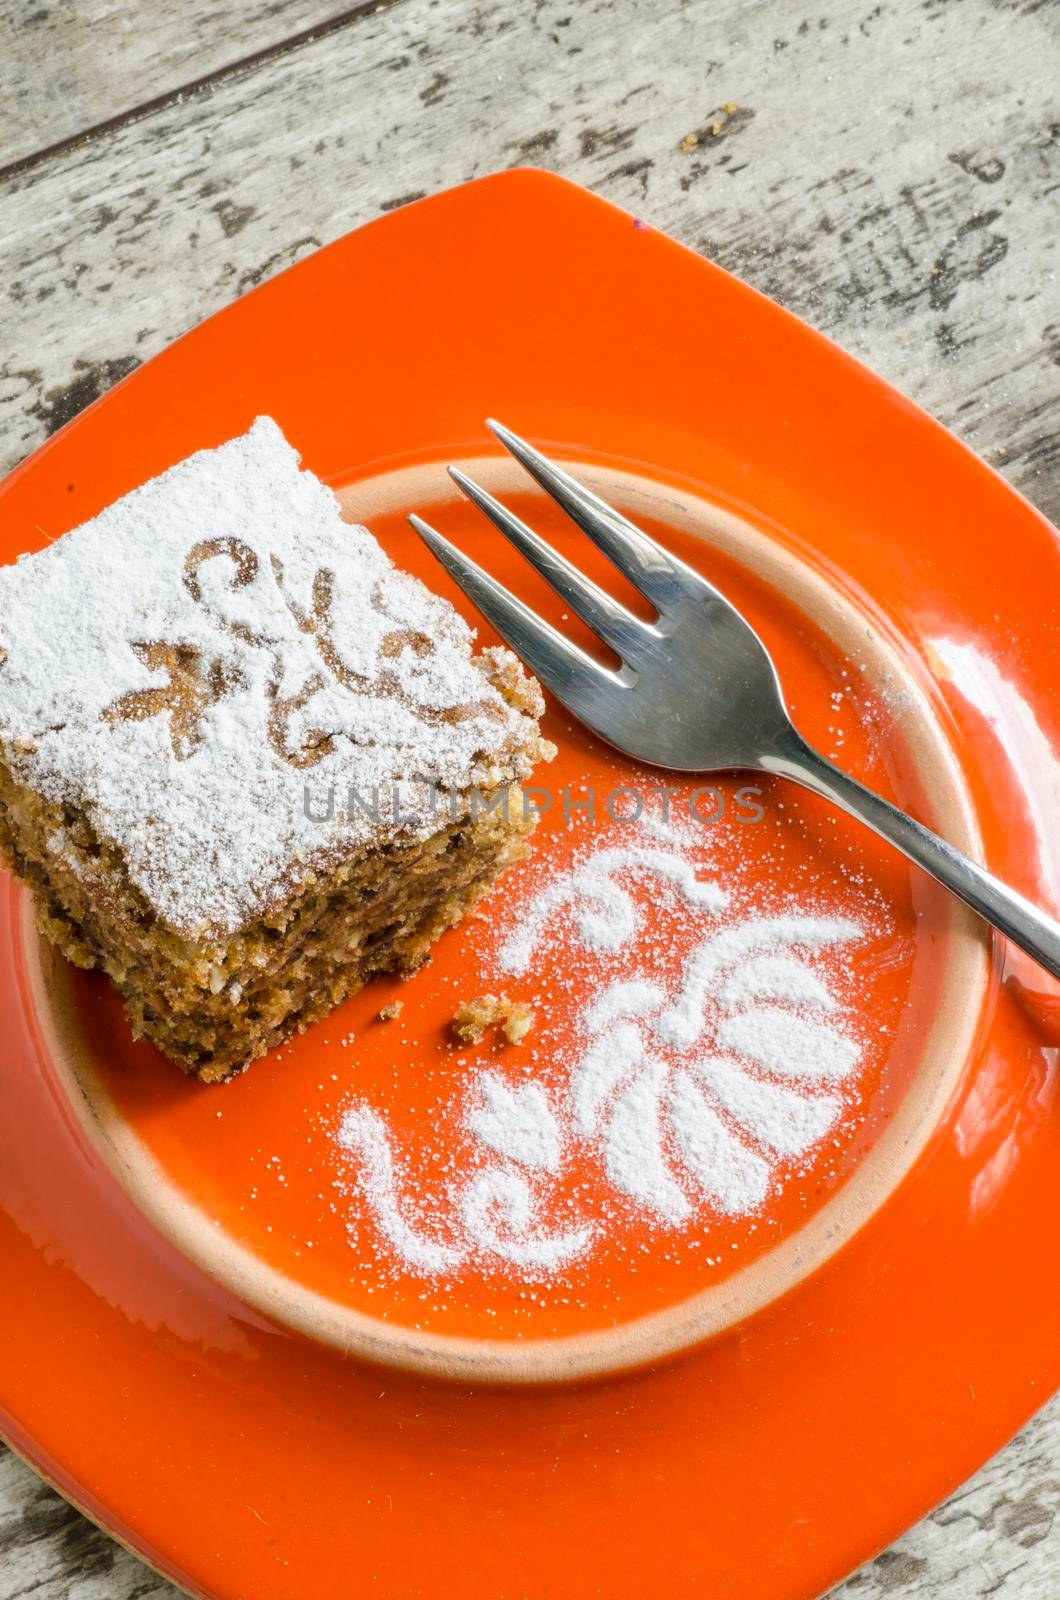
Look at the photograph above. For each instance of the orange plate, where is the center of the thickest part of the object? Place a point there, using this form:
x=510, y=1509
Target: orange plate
x=244, y=1460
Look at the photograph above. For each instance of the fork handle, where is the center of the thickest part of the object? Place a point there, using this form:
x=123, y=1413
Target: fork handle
x=1027, y=926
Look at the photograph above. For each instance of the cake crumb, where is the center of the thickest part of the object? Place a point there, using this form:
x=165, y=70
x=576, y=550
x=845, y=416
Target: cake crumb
x=473, y=1018
x=518, y=1021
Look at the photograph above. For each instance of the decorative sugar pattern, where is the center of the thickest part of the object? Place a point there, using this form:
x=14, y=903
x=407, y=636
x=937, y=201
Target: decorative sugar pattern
x=687, y=1094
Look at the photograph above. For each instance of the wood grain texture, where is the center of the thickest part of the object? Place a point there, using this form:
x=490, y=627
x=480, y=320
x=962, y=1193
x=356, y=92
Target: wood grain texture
x=80, y=65
x=890, y=171
x=891, y=174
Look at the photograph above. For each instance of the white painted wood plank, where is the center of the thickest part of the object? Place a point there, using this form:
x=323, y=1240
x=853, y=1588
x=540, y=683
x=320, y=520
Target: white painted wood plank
x=71, y=65
x=892, y=175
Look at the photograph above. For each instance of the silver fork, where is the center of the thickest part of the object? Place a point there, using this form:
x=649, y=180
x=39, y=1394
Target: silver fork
x=695, y=690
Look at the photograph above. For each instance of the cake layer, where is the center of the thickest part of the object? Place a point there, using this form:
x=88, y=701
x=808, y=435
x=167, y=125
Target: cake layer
x=213, y=1009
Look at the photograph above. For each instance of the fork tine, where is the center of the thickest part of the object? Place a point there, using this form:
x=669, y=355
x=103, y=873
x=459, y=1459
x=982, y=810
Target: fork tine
x=581, y=683
x=600, y=611
x=649, y=567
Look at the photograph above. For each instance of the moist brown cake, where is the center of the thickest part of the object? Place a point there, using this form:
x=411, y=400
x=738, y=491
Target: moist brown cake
x=245, y=762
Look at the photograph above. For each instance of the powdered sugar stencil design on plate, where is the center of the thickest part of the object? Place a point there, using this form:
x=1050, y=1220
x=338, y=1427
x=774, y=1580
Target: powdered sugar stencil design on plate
x=688, y=1091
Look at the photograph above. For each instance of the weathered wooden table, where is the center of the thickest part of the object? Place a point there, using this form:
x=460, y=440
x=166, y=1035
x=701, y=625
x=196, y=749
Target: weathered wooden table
x=890, y=172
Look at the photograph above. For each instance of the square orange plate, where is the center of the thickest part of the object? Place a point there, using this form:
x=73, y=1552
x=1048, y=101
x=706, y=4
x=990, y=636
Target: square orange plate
x=776, y=1392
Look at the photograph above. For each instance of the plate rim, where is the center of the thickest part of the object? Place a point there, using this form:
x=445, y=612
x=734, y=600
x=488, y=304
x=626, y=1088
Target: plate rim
x=712, y=1312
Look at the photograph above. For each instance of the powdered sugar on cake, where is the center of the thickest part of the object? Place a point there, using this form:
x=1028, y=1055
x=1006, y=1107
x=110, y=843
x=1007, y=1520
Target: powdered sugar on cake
x=182, y=665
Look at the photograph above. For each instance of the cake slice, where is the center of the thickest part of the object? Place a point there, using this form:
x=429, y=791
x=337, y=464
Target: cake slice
x=245, y=762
